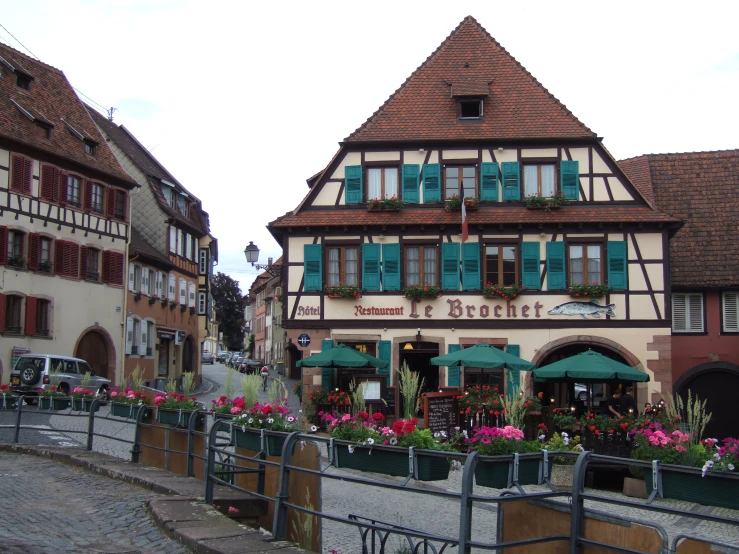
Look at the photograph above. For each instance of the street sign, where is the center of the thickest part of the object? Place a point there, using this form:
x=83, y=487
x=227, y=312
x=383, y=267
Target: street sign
x=303, y=340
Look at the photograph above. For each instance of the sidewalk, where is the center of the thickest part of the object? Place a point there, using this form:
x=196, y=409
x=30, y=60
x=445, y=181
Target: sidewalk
x=180, y=511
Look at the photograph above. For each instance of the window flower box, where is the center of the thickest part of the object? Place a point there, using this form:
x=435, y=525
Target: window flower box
x=389, y=461
x=454, y=204
x=392, y=204
x=508, y=293
x=251, y=439
x=45, y=267
x=172, y=304
x=343, y=291
x=16, y=261
x=546, y=203
x=153, y=299
x=164, y=302
x=137, y=296
x=192, y=311
x=183, y=308
x=374, y=205
x=422, y=291
x=591, y=291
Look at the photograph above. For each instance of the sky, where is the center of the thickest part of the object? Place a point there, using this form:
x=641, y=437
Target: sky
x=243, y=101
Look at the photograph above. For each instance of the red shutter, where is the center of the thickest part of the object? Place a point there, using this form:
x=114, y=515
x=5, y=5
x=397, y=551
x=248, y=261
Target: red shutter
x=110, y=206
x=124, y=208
x=59, y=257
x=34, y=250
x=116, y=272
x=106, y=267
x=74, y=260
x=3, y=245
x=83, y=263
x=31, y=315
x=48, y=176
x=2, y=312
x=87, y=200
x=16, y=180
x=27, y=175
x=57, y=182
x=63, y=187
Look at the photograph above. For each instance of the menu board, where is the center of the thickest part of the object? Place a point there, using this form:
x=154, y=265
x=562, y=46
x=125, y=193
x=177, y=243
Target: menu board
x=440, y=412
x=390, y=395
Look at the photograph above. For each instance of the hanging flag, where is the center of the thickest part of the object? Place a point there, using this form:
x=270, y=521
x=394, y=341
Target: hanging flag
x=465, y=230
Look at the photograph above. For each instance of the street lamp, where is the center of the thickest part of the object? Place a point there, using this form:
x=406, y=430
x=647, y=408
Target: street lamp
x=252, y=255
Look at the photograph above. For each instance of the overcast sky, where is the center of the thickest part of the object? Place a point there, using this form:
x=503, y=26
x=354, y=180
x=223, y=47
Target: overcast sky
x=243, y=101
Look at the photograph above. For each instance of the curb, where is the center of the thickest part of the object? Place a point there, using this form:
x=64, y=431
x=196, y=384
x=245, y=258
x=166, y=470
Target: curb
x=181, y=512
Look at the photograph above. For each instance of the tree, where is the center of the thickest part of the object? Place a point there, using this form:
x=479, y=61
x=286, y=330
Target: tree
x=230, y=304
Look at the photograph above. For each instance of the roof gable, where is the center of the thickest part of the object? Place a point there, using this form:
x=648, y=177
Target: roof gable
x=516, y=107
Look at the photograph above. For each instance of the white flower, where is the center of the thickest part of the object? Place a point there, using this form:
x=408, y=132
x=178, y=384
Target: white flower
x=730, y=467
x=351, y=449
x=313, y=428
x=456, y=464
x=456, y=428
x=464, y=434
x=251, y=420
x=443, y=434
x=260, y=422
x=437, y=435
x=580, y=448
x=393, y=441
x=270, y=420
x=302, y=445
x=290, y=419
x=370, y=441
x=567, y=441
x=542, y=437
x=563, y=435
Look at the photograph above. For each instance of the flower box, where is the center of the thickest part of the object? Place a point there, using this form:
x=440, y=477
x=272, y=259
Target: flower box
x=123, y=409
x=8, y=402
x=152, y=300
x=432, y=468
x=495, y=474
x=178, y=418
x=415, y=292
x=251, y=439
x=373, y=459
x=84, y=404
x=164, y=302
x=54, y=402
x=710, y=490
x=225, y=417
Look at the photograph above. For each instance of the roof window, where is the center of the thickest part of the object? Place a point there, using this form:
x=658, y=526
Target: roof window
x=90, y=146
x=23, y=81
x=470, y=108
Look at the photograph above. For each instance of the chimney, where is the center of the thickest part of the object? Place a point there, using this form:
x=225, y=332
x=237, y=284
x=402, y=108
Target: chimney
x=269, y=262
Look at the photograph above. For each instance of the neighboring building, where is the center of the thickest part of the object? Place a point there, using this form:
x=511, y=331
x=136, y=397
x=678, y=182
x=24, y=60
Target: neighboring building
x=208, y=325
x=472, y=122
x=164, y=339
x=64, y=222
x=269, y=336
x=701, y=189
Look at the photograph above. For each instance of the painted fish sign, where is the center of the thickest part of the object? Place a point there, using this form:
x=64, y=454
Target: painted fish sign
x=584, y=309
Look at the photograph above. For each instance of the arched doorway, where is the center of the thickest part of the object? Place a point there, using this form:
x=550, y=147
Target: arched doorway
x=716, y=383
x=292, y=356
x=95, y=347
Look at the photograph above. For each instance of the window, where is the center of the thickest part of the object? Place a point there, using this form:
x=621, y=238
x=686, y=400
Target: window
x=96, y=202
x=15, y=248
x=92, y=265
x=460, y=180
x=201, y=303
x=136, y=278
x=730, y=301
x=181, y=243
x=191, y=295
x=483, y=376
x=182, y=205
x=136, y=336
x=382, y=182
x=469, y=109
x=501, y=265
x=183, y=292
x=23, y=81
x=188, y=246
x=194, y=256
x=171, y=286
x=42, y=317
x=343, y=265
x=13, y=307
x=421, y=265
x=150, y=329
x=586, y=267
x=687, y=313
x=73, y=190
x=203, y=262
x=90, y=147
x=118, y=198
x=539, y=180
x=42, y=131
x=45, y=263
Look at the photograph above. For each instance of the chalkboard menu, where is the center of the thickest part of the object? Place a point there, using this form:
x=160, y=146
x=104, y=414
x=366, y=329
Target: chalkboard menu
x=390, y=398
x=440, y=412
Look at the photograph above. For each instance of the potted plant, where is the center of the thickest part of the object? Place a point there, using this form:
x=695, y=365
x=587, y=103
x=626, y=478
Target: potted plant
x=164, y=302
x=593, y=291
x=45, y=266
x=422, y=291
x=374, y=205
x=503, y=443
x=562, y=467
x=127, y=402
x=392, y=204
x=172, y=304
x=343, y=291
x=53, y=398
x=16, y=261
x=508, y=293
x=227, y=408
x=7, y=400
x=546, y=203
x=137, y=296
x=82, y=399
x=453, y=203
x=183, y=308
x=471, y=204
x=175, y=409
x=565, y=419
x=153, y=298
x=248, y=426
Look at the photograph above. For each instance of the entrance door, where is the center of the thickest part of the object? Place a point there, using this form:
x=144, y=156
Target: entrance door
x=93, y=348
x=163, y=358
x=187, y=351
x=418, y=359
x=717, y=386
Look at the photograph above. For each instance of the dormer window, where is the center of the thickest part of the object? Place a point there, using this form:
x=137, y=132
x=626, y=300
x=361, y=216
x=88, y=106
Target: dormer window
x=469, y=109
x=470, y=95
x=42, y=131
x=90, y=147
x=23, y=81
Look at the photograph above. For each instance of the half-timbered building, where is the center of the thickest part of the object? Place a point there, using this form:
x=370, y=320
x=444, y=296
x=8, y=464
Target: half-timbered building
x=472, y=123
x=64, y=222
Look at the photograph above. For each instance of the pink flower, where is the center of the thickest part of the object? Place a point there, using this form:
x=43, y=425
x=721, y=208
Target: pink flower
x=232, y=510
x=114, y=394
x=159, y=399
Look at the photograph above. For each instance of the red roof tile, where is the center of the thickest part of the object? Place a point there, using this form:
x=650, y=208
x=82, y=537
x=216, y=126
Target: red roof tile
x=637, y=170
x=702, y=189
x=518, y=107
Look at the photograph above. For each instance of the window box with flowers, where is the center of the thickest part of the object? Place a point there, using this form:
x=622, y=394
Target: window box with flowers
x=126, y=403
x=546, y=203
x=153, y=298
x=227, y=408
x=82, y=400
x=343, y=291
x=172, y=304
x=264, y=428
x=176, y=409
x=508, y=293
x=374, y=205
x=16, y=261
x=164, y=302
x=183, y=308
x=7, y=400
x=454, y=204
x=137, y=296
x=45, y=267
x=421, y=291
x=392, y=204
x=591, y=291
x=192, y=310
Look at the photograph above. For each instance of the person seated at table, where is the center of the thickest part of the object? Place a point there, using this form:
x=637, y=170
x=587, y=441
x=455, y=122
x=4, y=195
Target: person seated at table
x=647, y=408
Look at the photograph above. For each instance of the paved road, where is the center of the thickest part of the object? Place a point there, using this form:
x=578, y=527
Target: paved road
x=49, y=507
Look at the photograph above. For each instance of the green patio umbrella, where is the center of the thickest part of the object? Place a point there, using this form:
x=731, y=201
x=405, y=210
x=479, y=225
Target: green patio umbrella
x=342, y=356
x=482, y=355
x=588, y=366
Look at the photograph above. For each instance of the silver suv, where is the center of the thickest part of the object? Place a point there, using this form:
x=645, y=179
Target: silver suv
x=32, y=373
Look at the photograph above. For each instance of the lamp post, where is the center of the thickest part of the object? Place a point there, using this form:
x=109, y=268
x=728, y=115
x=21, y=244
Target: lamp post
x=252, y=255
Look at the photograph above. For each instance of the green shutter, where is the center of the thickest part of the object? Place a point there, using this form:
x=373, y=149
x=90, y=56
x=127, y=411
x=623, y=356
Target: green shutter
x=452, y=379
x=411, y=175
x=391, y=267
x=511, y=181
x=514, y=375
x=431, y=188
x=471, y=266
x=313, y=266
x=556, y=277
x=450, y=266
x=530, y=265
x=569, y=179
x=489, y=175
x=327, y=373
x=353, y=183
x=371, y=266
x=385, y=354
x=617, y=264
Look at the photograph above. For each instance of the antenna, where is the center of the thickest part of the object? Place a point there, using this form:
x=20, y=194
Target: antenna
x=110, y=112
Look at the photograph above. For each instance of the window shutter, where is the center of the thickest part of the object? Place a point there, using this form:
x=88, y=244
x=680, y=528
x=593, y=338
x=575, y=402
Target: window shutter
x=203, y=266
x=556, y=278
x=59, y=257
x=47, y=185
x=452, y=379
x=16, y=181
x=530, y=265
x=391, y=267
x=129, y=334
x=144, y=336
x=131, y=278
x=31, y=302
x=144, y=285
x=511, y=181
x=202, y=303
x=569, y=179
x=411, y=183
x=191, y=295
x=83, y=263
x=27, y=175
x=385, y=354
x=313, y=261
x=2, y=312
x=695, y=313
x=116, y=272
x=107, y=269
x=450, y=265
x=63, y=186
x=431, y=178
x=617, y=264
x=110, y=204
x=74, y=260
x=353, y=184
x=188, y=246
x=327, y=373
x=471, y=266
x=183, y=293
x=731, y=312
x=171, y=293
x=513, y=375
x=87, y=200
x=173, y=239
x=3, y=245
x=489, y=176
x=160, y=284
x=679, y=321
x=34, y=250
x=371, y=266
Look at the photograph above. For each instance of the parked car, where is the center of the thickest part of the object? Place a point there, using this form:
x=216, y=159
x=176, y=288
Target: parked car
x=236, y=361
x=222, y=356
x=207, y=358
x=33, y=373
x=249, y=366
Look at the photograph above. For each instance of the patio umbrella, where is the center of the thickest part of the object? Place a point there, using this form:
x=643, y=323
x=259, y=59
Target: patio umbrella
x=482, y=355
x=341, y=356
x=588, y=366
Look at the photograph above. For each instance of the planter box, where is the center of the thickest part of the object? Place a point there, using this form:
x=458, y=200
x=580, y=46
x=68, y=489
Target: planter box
x=635, y=488
x=494, y=474
x=54, y=403
x=226, y=417
x=84, y=405
x=8, y=402
x=431, y=468
x=121, y=409
x=375, y=460
x=251, y=439
x=562, y=476
x=710, y=490
x=178, y=418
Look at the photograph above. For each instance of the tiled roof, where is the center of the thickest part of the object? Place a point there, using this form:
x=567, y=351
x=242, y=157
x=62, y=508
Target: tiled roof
x=52, y=100
x=518, y=107
x=702, y=189
x=637, y=170
x=140, y=248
